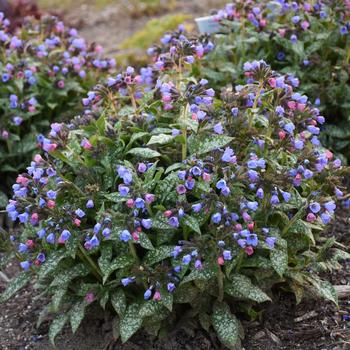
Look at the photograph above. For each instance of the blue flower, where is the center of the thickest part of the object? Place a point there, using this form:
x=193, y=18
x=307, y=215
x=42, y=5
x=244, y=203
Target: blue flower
x=22, y=248
x=227, y=255
x=197, y=207
x=289, y=127
x=80, y=213
x=106, y=232
x=97, y=228
x=186, y=259
x=315, y=207
x=90, y=204
x=221, y=184
x=50, y=238
x=139, y=203
x=252, y=240
x=218, y=129
x=234, y=111
x=216, y=218
x=51, y=194
x=65, y=235
x=147, y=294
x=127, y=280
x=123, y=190
x=25, y=265
x=170, y=287
x=270, y=242
x=146, y=223
x=253, y=205
x=174, y=221
x=125, y=236
x=330, y=206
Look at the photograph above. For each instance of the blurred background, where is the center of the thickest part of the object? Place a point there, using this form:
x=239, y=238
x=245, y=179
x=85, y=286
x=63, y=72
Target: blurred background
x=125, y=28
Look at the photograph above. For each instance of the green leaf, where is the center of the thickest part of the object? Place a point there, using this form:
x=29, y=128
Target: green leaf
x=191, y=223
x=160, y=139
x=208, y=143
x=3, y=200
x=118, y=301
x=144, y=152
x=158, y=254
x=301, y=227
x=240, y=286
x=204, y=320
x=145, y=242
x=105, y=259
x=51, y=263
x=58, y=296
x=206, y=273
x=115, y=197
x=130, y=323
x=150, y=308
x=104, y=298
x=77, y=314
x=279, y=258
x=118, y=263
x=56, y=326
x=225, y=324
x=160, y=222
x=15, y=285
x=324, y=289
x=62, y=279
x=185, y=294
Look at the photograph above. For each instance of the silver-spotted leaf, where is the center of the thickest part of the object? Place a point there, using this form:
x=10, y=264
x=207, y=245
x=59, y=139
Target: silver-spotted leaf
x=225, y=324
x=240, y=286
x=130, y=323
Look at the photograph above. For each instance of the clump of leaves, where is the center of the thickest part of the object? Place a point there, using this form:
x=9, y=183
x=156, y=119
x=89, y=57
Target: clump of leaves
x=166, y=199
x=308, y=40
x=45, y=70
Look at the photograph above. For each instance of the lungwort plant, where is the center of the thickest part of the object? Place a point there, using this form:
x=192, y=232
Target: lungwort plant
x=309, y=39
x=45, y=70
x=168, y=202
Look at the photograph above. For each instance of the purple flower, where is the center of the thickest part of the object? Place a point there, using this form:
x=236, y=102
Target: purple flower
x=22, y=248
x=97, y=228
x=315, y=207
x=139, y=203
x=51, y=238
x=174, y=221
x=289, y=127
x=218, y=129
x=146, y=223
x=65, y=235
x=123, y=190
x=89, y=204
x=127, y=280
x=142, y=167
x=274, y=199
x=270, y=242
x=181, y=189
x=260, y=193
x=330, y=206
x=229, y=156
x=106, y=232
x=234, y=111
x=227, y=255
x=170, y=287
x=80, y=213
x=253, y=205
x=286, y=196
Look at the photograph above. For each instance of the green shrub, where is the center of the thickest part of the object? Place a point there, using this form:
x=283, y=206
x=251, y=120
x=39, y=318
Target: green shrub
x=165, y=200
x=307, y=39
x=45, y=69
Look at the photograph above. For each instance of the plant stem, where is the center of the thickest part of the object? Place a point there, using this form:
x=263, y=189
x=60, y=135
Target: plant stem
x=220, y=285
x=184, y=132
x=94, y=268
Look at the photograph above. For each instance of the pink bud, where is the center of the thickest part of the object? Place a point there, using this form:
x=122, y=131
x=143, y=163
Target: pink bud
x=51, y=204
x=251, y=226
x=31, y=109
x=38, y=158
x=35, y=217
x=246, y=217
x=281, y=134
x=292, y=105
x=282, y=32
x=149, y=198
x=5, y=134
x=249, y=250
x=311, y=217
x=77, y=222
x=238, y=227
x=30, y=243
x=60, y=84
x=157, y=296
x=221, y=260
x=167, y=213
x=329, y=154
x=194, y=116
x=263, y=23
x=86, y=144
x=89, y=297
x=138, y=79
x=206, y=177
x=135, y=236
x=130, y=203
x=272, y=82
x=301, y=107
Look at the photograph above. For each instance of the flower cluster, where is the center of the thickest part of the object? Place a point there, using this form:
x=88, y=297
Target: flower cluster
x=167, y=192
x=303, y=37
x=45, y=70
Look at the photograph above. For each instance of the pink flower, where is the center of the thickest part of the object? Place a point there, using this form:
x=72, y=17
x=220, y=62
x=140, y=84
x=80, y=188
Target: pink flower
x=167, y=213
x=281, y=134
x=238, y=227
x=292, y=105
x=282, y=32
x=221, y=260
x=251, y=226
x=76, y=222
x=130, y=203
x=305, y=25
x=157, y=296
x=301, y=107
x=206, y=177
x=38, y=158
x=89, y=297
x=86, y=144
x=249, y=250
x=263, y=23
x=5, y=134
x=60, y=84
x=311, y=217
x=135, y=236
x=51, y=204
x=272, y=82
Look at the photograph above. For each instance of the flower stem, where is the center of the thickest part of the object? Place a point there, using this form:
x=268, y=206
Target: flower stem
x=94, y=268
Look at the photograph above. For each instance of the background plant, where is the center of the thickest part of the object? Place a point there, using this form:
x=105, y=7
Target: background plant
x=165, y=198
x=307, y=39
x=45, y=70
